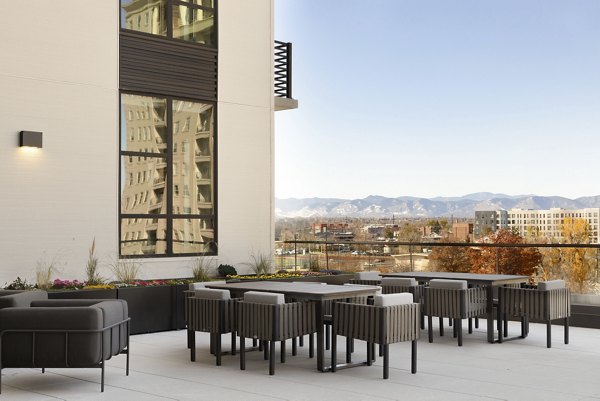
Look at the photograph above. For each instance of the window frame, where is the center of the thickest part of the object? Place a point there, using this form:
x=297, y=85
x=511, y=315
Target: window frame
x=170, y=214
x=169, y=4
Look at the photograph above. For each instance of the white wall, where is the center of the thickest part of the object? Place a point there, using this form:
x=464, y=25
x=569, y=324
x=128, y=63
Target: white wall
x=245, y=130
x=59, y=75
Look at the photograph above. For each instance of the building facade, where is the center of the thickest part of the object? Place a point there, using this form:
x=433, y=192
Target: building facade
x=157, y=119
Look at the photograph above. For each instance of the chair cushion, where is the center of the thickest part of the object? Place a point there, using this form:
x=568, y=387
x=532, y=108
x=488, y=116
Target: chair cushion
x=399, y=281
x=551, y=285
x=448, y=284
x=202, y=284
x=367, y=276
x=378, y=292
x=393, y=299
x=209, y=293
x=24, y=298
x=259, y=297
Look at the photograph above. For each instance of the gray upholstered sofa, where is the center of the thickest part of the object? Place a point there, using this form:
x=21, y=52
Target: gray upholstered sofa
x=65, y=333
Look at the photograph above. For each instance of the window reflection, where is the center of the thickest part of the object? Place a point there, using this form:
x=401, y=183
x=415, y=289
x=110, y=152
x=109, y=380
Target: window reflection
x=193, y=236
x=194, y=24
x=143, y=236
x=147, y=16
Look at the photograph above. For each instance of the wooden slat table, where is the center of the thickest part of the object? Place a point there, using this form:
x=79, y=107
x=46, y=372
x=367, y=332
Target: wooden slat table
x=311, y=292
x=489, y=281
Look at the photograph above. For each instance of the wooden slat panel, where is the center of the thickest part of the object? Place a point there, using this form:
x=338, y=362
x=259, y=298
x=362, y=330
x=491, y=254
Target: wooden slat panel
x=166, y=67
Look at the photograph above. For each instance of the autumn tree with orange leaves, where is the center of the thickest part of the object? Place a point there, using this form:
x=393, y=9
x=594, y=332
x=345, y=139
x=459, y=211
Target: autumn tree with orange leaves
x=450, y=259
x=490, y=260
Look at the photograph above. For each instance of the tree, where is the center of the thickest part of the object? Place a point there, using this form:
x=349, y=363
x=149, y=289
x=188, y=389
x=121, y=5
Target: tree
x=450, y=259
x=517, y=260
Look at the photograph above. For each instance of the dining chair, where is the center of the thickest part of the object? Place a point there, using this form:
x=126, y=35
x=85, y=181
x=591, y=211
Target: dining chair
x=452, y=299
x=393, y=285
x=392, y=318
x=366, y=278
x=549, y=301
x=265, y=316
x=211, y=311
x=190, y=293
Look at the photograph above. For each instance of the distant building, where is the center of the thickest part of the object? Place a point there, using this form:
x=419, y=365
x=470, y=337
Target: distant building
x=461, y=232
x=489, y=221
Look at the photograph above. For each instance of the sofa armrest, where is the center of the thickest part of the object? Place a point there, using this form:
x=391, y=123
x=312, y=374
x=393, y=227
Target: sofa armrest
x=21, y=299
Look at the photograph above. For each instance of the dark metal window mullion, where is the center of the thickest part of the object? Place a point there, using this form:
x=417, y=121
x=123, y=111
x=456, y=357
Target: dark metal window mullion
x=169, y=183
x=169, y=12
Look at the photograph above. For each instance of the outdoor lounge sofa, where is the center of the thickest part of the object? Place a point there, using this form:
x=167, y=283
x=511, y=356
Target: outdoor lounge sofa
x=67, y=333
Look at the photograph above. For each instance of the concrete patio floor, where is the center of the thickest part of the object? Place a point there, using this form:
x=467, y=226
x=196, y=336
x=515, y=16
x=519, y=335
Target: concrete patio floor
x=161, y=370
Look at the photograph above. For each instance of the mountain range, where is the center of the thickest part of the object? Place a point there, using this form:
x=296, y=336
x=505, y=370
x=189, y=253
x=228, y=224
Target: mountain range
x=408, y=206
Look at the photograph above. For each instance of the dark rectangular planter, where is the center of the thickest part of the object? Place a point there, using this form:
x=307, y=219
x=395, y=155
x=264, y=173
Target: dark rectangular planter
x=178, y=315
x=150, y=308
x=83, y=294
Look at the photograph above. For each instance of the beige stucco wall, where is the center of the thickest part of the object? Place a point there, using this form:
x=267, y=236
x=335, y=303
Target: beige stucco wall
x=59, y=75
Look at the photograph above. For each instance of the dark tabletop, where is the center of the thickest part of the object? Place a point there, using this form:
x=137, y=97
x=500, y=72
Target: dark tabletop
x=300, y=290
x=472, y=278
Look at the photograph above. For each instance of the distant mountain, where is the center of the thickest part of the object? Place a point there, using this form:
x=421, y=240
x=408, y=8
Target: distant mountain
x=408, y=206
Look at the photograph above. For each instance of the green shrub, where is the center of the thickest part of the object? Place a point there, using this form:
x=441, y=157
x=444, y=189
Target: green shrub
x=19, y=284
x=226, y=270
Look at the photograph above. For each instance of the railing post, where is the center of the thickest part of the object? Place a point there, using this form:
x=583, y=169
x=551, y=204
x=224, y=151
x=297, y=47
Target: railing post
x=295, y=252
x=289, y=70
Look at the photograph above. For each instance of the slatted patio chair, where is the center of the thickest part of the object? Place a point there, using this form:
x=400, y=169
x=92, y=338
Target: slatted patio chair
x=394, y=285
x=211, y=311
x=265, y=316
x=366, y=278
x=190, y=293
x=392, y=318
x=551, y=300
x=452, y=299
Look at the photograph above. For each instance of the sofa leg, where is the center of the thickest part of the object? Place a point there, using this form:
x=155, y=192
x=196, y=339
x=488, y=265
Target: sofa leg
x=102, y=378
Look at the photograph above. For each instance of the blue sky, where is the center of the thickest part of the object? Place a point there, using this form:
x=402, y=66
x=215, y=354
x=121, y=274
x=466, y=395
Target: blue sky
x=440, y=98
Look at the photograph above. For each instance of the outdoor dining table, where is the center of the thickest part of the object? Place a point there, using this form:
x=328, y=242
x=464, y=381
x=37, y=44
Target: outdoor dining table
x=309, y=292
x=489, y=281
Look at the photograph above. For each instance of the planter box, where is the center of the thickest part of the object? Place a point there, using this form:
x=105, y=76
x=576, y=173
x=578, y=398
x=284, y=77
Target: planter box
x=83, y=294
x=156, y=308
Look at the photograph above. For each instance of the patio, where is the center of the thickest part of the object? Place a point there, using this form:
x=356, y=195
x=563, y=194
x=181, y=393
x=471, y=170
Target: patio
x=161, y=370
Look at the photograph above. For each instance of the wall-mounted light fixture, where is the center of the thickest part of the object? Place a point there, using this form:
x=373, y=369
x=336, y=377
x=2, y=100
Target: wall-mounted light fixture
x=31, y=139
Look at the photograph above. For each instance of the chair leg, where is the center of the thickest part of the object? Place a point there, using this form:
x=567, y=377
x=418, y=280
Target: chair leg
x=500, y=331
x=369, y=354
x=441, y=326
x=413, y=357
x=242, y=353
x=476, y=322
x=294, y=346
x=450, y=322
x=422, y=320
x=548, y=334
x=454, y=329
x=380, y=349
x=233, y=344
x=333, y=351
x=470, y=326
x=327, y=337
x=218, y=348
x=282, y=352
x=212, y=343
x=430, y=328
x=265, y=350
x=349, y=343
x=190, y=333
x=458, y=324
x=272, y=358
x=386, y=360
x=311, y=345
x=301, y=341
x=192, y=345
x=255, y=344
x=505, y=324
x=567, y=330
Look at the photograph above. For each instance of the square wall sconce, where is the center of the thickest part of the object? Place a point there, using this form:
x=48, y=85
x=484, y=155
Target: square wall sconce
x=31, y=139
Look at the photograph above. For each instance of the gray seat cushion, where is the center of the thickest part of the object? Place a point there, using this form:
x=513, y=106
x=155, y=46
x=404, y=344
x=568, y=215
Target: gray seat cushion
x=367, y=276
x=401, y=298
x=259, y=297
x=209, y=293
x=399, y=281
x=448, y=284
x=551, y=285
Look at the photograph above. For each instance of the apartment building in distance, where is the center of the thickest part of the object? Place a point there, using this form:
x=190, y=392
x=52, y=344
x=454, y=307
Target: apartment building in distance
x=535, y=223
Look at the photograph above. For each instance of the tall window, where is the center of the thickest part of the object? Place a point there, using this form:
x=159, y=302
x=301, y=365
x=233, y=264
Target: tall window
x=189, y=20
x=169, y=222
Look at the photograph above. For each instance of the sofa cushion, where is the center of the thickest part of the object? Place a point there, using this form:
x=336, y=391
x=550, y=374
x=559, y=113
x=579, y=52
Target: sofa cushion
x=209, y=293
x=401, y=298
x=399, y=281
x=551, y=285
x=448, y=284
x=259, y=297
